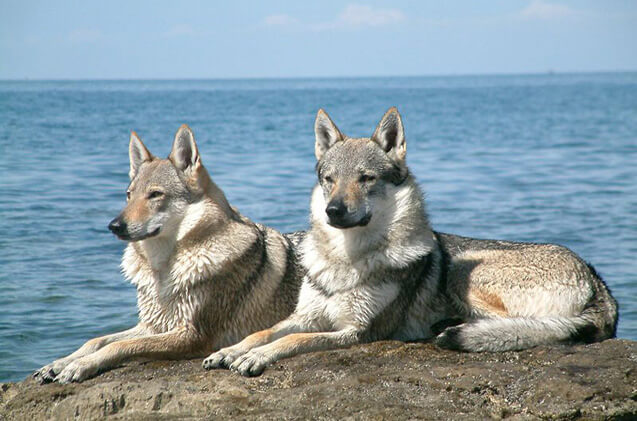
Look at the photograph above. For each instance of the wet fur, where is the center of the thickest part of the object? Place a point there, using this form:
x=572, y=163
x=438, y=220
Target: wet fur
x=205, y=275
x=395, y=278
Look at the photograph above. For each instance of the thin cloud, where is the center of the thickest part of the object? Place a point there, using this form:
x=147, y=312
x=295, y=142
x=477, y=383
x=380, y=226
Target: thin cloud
x=280, y=20
x=85, y=36
x=352, y=16
x=541, y=10
x=180, y=30
x=359, y=15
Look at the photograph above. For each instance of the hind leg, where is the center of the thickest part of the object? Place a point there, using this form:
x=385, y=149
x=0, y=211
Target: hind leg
x=479, y=304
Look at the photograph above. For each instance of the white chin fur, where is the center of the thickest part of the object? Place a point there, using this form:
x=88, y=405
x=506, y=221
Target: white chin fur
x=359, y=246
x=318, y=205
x=318, y=215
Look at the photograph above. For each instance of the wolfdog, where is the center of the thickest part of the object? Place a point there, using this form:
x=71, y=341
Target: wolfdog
x=376, y=270
x=205, y=275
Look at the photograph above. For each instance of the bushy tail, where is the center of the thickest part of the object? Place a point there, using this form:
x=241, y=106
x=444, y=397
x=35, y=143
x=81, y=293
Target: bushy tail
x=514, y=333
x=598, y=321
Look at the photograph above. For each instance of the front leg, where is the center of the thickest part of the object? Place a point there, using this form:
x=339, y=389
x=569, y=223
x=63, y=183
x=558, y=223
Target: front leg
x=182, y=343
x=225, y=356
x=254, y=362
x=49, y=372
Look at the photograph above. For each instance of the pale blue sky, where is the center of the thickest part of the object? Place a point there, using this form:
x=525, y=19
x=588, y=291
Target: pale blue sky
x=237, y=39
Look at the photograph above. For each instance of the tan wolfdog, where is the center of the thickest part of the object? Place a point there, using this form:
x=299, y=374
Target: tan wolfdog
x=205, y=275
x=376, y=270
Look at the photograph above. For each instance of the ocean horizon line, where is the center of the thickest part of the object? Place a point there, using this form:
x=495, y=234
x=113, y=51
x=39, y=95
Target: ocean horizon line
x=286, y=78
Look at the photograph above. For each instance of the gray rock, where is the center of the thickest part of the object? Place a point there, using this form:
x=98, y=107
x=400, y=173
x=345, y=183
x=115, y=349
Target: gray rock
x=382, y=380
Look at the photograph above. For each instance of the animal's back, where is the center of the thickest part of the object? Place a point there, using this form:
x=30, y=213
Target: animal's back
x=517, y=295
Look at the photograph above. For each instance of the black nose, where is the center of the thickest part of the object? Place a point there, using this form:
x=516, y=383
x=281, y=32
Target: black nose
x=336, y=209
x=117, y=226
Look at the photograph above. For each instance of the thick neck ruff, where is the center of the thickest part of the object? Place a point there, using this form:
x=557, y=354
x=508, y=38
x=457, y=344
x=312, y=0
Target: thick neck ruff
x=180, y=262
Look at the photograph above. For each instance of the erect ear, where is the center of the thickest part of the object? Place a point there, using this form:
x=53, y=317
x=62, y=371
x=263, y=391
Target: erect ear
x=326, y=132
x=138, y=154
x=184, y=154
x=390, y=135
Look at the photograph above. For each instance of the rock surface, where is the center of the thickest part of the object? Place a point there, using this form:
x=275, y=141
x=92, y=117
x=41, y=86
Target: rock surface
x=383, y=380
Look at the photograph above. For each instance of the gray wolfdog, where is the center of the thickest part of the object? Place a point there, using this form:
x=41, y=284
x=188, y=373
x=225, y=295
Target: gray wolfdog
x=205, y=275
x=376, y=270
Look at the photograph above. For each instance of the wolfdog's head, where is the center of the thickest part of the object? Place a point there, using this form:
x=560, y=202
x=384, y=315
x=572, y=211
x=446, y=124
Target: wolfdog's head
x=161, y=190
x=354, y=174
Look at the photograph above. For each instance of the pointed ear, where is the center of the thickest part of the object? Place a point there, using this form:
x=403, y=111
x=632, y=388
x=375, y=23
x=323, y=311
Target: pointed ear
x=184, y=155
x=138, y=154
x=390, y=135
x=326, y=133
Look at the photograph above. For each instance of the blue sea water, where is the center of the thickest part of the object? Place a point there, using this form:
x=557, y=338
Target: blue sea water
x=543, y=158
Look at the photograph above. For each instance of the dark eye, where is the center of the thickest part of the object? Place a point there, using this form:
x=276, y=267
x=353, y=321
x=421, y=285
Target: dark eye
x=127, y=194
x=365, y=178
x=328, y=179
x=155, y=194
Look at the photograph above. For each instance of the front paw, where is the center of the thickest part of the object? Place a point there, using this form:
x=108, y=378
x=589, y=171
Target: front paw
x=250, y=364
x=77, y=371
x=49, y=372
x=221, y=359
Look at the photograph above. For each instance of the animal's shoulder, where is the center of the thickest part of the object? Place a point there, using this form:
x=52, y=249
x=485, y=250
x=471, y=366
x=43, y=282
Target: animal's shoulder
x=295, y=238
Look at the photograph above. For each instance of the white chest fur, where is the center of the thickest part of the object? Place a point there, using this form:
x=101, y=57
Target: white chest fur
x=354, y=307
x=166, y=298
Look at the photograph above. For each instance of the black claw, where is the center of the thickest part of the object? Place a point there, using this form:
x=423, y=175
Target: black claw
x=255, y=373
x=220, y=364
x=47, y=379
x=48, y=376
